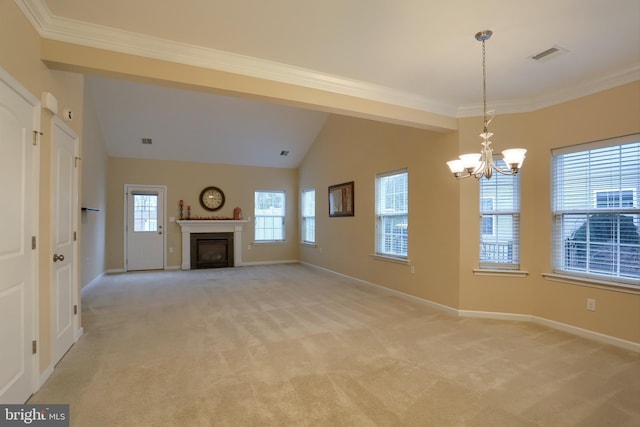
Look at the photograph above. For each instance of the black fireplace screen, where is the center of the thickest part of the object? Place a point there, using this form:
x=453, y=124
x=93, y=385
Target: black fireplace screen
x=211, y=250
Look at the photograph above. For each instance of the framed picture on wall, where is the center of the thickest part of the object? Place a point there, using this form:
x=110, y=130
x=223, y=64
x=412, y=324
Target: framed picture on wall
x=341, y=199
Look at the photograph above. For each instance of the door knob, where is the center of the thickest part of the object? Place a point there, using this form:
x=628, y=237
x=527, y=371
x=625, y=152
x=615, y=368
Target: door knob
x=57, y=257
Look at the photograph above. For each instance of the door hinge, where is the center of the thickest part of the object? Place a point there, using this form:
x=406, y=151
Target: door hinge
x=34, y=347
x=33, y=242
x=75, y=236
x=36, y=137
x=75, y=309
x=76, y=159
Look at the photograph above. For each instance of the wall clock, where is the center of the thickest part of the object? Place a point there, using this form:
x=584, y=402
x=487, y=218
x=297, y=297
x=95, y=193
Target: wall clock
x=212, y=198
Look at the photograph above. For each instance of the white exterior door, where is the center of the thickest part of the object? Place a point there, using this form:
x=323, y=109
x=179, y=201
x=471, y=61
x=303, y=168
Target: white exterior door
x=19, y=116
x=145, y=227
x=64, y=189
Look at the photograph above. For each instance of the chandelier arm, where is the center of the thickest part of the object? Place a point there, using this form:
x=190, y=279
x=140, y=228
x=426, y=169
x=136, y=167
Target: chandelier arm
x=506, y=171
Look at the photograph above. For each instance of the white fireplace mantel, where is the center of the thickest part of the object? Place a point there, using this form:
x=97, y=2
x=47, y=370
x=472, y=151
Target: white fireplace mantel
x=211, y=226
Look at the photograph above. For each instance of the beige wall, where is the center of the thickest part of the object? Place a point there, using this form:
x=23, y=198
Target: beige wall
x=185, y=181
x=94, y=195
x=20, y=57
x=604, y=115
x=350, y=149
x=444, y=214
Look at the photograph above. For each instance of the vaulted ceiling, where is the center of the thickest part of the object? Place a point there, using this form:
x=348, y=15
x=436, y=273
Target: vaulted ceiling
x=416, y=53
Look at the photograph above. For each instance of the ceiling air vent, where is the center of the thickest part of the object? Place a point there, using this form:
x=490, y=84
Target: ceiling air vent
x=147, y=141
x=284, y=153
x=552, y=52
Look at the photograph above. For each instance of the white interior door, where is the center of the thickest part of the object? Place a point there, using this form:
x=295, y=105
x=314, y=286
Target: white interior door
x=19, y=113
x=64, y=193
x=145, y=227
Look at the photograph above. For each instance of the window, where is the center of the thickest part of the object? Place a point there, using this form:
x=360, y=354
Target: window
x=596, y=211
x=500, y=221
x=615, y=198
x=309, y=216
x=269, y=216
x=392, y=214
x=145, y=212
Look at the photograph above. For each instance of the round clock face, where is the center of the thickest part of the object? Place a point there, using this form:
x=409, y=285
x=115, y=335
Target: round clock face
x=212, y=198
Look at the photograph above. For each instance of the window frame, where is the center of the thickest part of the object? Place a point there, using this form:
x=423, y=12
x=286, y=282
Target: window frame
x=563, y=252
x=256, y=217
x=379, y=237
x=304, y=223
x=489, y=188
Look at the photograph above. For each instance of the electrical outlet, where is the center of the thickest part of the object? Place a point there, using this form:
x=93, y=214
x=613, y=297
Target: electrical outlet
x=170, y=250
x=412, y=269
x=591, y=304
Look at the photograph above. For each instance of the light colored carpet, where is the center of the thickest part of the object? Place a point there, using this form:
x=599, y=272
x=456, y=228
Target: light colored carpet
x=289, y=345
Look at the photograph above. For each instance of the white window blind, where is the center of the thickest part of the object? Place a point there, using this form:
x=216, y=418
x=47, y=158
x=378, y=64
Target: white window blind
x=500, y=221
x=392, y=214
x=270, y=208
x=308, y=215
x=596, y=209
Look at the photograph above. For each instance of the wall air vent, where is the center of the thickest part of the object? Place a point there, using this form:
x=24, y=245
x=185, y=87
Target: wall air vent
x=147, y=141
x=545, y=55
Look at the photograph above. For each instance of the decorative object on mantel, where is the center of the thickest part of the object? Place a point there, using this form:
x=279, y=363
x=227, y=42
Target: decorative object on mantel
x=181, y=203
x=237, y=213
x=212, y=198
x=209, y=218
x=482, y=164
x=188, y=211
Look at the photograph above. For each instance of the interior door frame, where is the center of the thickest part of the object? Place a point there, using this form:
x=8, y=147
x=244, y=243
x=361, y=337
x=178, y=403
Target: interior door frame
x=127, y=188
x=75, y=272
x=35, y=380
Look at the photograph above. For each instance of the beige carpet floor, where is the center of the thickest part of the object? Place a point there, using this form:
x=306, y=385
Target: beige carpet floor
x=289, y=345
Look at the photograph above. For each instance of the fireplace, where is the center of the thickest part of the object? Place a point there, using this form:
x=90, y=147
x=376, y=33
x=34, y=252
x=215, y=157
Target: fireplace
x=222, y=243
x=211, y=250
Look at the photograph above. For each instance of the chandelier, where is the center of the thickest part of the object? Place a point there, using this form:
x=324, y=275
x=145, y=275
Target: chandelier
x=482, y=163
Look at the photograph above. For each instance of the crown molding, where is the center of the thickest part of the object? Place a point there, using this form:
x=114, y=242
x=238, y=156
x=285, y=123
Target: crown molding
x=81, y=33
x=559, y=96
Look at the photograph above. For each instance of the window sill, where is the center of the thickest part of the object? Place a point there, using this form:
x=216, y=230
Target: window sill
x=502, y=273
x=309, y=244
x=592, y=283
x=269, y=242
x=403, y=261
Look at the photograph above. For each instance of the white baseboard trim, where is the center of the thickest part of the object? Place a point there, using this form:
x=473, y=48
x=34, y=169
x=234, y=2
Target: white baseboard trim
x=284, y=261
x=44, y=376
x=495, y=315
x=79, y=333
x=585, y=333
x=173, y=267
x=434, y=305
x=93, y=282
x=574, y=330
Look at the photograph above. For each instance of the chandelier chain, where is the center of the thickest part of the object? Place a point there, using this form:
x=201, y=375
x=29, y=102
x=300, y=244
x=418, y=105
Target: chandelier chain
x=484, y=82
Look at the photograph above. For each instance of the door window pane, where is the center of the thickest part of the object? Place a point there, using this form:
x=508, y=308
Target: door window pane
x=145, y=212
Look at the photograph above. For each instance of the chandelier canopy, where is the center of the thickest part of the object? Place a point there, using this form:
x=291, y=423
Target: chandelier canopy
x=482, y=163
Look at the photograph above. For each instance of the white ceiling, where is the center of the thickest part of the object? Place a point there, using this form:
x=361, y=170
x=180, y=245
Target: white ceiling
x=416, y=53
